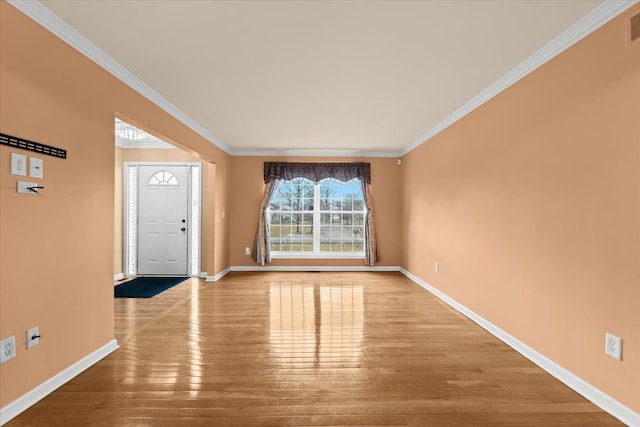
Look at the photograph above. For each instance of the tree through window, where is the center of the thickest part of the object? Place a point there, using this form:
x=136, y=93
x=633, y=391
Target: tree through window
x=326, y=218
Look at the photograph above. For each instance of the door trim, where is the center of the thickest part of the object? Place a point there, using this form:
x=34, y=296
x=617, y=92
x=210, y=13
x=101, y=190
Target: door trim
x=130, y=219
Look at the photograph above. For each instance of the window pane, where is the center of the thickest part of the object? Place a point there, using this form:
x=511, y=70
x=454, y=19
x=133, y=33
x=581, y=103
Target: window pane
x=340, y=229
x=293, y=247
x=275, y=202
x=347, y=202
x=274, y=231
x=358, y=233
x=274, y=218
x=296, y=220
x=307, y=229
x=308, y=204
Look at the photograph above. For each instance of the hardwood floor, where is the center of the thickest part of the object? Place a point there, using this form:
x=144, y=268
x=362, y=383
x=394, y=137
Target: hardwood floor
x=312, y=349
x=132, y=315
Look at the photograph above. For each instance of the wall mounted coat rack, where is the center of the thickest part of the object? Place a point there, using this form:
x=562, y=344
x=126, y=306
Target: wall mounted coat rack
x=25, y=144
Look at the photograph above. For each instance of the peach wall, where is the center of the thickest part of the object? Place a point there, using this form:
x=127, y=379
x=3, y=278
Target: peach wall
x=247, y=186
x=221, y=203
x=531, y=205
x=56, y=268
x=153, y=155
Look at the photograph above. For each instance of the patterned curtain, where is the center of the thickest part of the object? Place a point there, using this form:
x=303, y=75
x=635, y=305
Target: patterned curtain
x=261, y=252
x=370, y=245
x=316, y=172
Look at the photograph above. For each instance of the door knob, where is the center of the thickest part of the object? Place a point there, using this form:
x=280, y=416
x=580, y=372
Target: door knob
x=184, y=220
x=183, y=229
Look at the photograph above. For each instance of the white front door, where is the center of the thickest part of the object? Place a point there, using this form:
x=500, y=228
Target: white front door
x=163, y=196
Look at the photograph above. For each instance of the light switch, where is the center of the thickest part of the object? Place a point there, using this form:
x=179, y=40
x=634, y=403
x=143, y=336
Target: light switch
x=18, y=164
x=35, y=167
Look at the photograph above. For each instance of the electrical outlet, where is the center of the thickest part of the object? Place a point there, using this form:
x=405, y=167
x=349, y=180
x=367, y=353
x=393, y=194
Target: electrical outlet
x=247, y=250
x=7, y=349
x=18, y=164
x=33, y=337
x=436, y=267
x=613, y=346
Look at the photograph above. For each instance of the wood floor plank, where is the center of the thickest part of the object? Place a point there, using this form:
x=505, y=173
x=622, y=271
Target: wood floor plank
x=307, y=349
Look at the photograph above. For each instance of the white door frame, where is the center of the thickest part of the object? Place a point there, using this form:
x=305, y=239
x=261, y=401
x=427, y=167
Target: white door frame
x=130, y=215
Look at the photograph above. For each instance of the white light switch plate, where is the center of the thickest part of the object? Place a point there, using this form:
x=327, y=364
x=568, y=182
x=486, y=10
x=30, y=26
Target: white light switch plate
x=31, y=341
x=18, y=164
x=23, y=187
x=35, y=167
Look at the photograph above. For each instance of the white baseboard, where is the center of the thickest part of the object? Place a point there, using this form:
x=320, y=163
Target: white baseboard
x=599, y=398
x=218, y=276
x=118, y=276
x=298, y=268
x=29, y=399
x=202, y=275
x=313, y=268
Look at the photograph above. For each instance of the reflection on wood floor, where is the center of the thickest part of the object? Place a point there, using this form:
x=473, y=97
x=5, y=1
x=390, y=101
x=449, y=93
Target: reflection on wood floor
x=312, y=349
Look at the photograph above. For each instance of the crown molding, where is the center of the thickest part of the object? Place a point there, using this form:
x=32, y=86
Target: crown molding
x=314, y=153
x=56, y=25
x=602, y=14
x=608, y=10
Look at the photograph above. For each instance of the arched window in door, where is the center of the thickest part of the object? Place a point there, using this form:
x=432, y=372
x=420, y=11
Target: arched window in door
x=163, y=178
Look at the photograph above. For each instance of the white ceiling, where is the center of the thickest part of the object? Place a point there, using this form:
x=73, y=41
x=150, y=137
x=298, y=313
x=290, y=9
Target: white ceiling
x=362, y=76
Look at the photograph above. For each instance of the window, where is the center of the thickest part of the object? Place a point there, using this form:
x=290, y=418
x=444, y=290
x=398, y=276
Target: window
x=163, y=178
x=316, y=210
x=323, y=219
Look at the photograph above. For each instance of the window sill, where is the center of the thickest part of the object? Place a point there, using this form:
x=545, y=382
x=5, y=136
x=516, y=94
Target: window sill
x=281, y=255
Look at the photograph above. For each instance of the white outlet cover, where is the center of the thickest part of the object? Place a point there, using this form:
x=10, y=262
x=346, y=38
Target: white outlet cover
x=35, y=167
x=18, y=164
x=613, y=346
x=7, y=349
